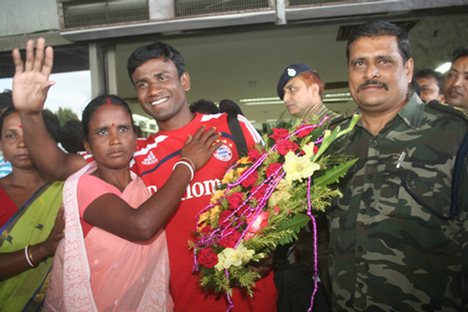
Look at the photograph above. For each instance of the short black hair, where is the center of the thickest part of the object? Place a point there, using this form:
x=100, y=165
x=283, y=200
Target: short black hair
x=382, y=28
x=71, y=136
x=98, y=102
x=204, y=107
x=155, y=50
x=430, y=73
x=229, y=106
x=6, y=99
x=459, y=52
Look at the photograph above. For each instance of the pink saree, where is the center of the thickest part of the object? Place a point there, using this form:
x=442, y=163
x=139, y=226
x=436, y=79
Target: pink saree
x=103, y=272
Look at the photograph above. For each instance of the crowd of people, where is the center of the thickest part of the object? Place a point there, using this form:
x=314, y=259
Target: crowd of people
x=397, y=240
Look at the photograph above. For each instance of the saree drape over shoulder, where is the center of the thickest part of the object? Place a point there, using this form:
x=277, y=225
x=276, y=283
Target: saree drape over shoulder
x=101, y=271
x=30, y=225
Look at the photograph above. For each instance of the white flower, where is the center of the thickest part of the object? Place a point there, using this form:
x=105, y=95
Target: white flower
x=233, y=257
x=309, y=149
x=298, y=168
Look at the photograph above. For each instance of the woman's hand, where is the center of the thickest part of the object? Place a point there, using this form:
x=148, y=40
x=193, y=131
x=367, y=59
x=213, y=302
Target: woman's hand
x=201, y=146
x=31, y=80
x=51, y=243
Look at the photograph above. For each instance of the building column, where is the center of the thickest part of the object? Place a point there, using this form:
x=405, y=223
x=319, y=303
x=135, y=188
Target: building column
x=97, y=69
x=161, y=9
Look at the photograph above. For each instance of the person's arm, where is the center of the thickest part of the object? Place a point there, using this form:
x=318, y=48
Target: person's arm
x=30, y=87
x=111, y=213
x=14, y=263
x=464, y=223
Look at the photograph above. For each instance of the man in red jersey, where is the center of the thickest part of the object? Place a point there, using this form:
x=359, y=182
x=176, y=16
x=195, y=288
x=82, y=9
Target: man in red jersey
x=161, y=82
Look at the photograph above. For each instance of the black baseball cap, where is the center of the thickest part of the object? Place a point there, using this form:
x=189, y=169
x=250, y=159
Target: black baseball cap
x=289, y=73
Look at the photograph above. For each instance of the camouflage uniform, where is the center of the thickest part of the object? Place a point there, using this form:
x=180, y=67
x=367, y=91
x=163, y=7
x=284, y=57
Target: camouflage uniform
x=393, y=244
x=324, y=111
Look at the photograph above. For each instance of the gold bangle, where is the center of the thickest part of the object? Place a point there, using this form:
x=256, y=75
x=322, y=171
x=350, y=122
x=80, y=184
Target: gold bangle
x=31, y=257
x=28, y=256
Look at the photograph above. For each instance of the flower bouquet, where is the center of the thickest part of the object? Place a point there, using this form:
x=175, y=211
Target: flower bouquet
x=264, y=200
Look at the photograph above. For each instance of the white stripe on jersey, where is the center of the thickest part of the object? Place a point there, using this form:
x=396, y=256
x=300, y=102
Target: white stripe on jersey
x=206, y=117
x=150, y=146
x=253, y=132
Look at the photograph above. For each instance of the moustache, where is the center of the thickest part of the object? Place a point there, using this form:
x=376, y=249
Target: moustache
x=455, y=89
x=372, y=82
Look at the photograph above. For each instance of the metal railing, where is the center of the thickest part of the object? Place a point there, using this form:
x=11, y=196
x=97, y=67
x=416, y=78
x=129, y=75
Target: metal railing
x=88, y=13
x=204, y=7
x=94, y=13
x=293, y=3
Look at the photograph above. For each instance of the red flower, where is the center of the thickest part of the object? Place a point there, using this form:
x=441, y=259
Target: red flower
x=223, y=216
x=260, y=193
x=279, y=134
x=272, y=169
x=207, y=257
x=304, y=130
x=250, y=180
x=254, y=154
x=235, y=200
x=206, y=229
x=230, y=240
x=241, y=213
x=285, y=146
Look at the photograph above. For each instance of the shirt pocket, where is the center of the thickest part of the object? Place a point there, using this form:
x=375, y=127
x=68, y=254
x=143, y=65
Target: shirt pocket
x=416, y=189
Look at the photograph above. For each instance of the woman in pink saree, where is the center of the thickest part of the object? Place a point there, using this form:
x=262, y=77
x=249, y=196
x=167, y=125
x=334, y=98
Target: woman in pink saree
x=114, y=254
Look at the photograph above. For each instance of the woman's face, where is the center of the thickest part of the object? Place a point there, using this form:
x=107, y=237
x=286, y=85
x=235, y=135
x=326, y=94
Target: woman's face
x=111, y=138
x=12, y=143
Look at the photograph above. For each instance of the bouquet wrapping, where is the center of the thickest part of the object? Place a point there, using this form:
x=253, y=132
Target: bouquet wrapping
x=264, y=200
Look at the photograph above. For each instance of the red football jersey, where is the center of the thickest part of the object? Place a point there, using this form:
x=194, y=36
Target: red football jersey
x=153, y=161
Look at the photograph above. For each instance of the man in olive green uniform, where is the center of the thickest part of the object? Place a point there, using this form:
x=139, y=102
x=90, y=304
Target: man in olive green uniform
x=399, y=234
x=301, y=89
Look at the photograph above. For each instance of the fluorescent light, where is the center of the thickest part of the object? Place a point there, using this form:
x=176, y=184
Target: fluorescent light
x=264, y=103
x=331, y=100
x=261, y=101
x=337, y=97
x=329, y=97
x=444, y=67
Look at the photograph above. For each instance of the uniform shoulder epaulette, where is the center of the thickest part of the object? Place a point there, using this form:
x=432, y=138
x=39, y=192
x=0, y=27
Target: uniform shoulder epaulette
x=339, y=120
x=448, y=109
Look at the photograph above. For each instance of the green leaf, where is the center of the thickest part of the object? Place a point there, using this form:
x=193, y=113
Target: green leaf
x=335, y=133
x=334, y=174
x=298, y=221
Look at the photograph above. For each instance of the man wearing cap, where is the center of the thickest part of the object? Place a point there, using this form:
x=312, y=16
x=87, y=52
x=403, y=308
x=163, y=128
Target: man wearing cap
x=301, y=89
